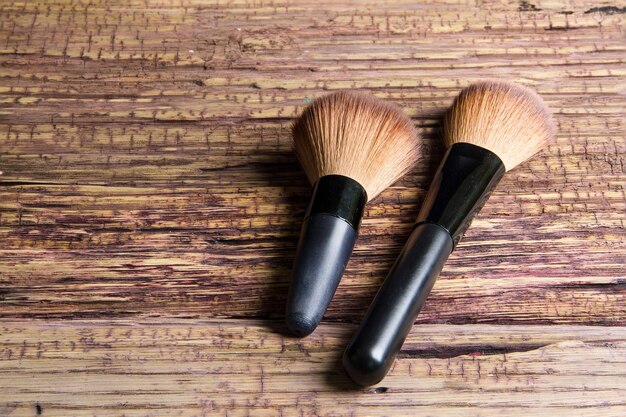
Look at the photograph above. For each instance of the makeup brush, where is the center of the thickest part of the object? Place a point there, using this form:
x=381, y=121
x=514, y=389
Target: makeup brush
x=352, y=146
x=491, y=128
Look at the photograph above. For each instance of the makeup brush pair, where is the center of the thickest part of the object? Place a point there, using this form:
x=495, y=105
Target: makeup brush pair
x=352, y=146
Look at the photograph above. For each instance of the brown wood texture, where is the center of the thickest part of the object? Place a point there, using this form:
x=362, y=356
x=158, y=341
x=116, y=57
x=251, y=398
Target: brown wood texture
x=238, y=368
x=148, y=187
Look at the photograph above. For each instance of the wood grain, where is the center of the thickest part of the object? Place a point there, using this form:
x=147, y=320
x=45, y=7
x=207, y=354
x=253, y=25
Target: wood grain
x=237, y=368
x=147, y=177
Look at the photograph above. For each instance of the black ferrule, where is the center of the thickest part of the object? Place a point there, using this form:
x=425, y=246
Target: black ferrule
x=327, y=238
x=338, y=196
x=465, y=179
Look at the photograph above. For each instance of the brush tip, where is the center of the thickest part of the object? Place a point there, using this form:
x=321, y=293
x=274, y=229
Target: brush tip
x=504, y=117
x=356, y=135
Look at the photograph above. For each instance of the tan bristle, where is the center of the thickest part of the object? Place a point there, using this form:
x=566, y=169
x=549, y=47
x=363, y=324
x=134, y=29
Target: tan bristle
x=509, y=120
x=358, y=136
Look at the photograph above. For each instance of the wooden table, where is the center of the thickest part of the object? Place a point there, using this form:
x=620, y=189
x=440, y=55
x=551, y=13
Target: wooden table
x=150, y=204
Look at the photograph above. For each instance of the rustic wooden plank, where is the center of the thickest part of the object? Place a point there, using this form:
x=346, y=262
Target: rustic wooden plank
x=236, y=367
x=149, y=200
x=147, y=166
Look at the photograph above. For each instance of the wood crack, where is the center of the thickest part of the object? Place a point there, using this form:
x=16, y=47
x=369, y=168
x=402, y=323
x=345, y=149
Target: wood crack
x=448, y=352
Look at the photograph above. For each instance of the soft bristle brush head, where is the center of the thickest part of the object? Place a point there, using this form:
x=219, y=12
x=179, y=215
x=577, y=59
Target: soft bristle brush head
x=508, y=119
x=356, y=135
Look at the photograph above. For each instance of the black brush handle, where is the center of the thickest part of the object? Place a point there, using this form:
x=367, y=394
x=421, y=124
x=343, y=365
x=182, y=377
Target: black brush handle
x=325, y=246
x=465, y=179
x=328, y=236
x=380, y=336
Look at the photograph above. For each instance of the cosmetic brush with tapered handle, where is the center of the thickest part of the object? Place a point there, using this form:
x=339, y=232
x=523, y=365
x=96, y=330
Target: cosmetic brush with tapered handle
x=490, y=128
x=352, y=146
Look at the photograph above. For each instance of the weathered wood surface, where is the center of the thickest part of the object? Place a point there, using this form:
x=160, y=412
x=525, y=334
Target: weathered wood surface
x=238, y=368
x=147, y=174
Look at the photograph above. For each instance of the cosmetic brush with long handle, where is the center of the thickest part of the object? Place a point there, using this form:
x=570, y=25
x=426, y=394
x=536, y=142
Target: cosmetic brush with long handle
x=352, y=146
x=491, y=128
